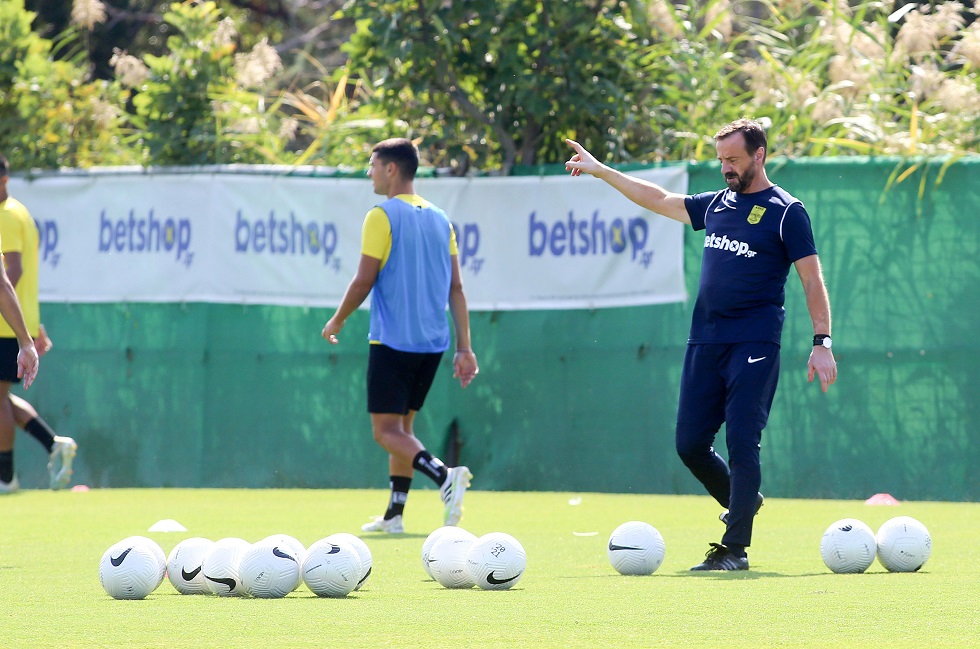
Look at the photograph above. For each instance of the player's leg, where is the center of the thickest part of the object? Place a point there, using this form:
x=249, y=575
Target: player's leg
x=700, y=413
x=8, y=375
x=454, y=481
x=752, y=370
x=61, y=450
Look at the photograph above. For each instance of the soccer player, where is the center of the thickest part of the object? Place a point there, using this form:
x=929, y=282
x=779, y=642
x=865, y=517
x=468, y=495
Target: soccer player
x=409, y=266
x=755, y=232
x=18, y=355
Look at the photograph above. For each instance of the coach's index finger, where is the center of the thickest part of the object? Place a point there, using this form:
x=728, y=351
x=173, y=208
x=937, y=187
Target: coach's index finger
x=575, y=163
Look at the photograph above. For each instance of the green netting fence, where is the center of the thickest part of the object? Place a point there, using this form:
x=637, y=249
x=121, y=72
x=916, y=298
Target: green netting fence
x=207, y=395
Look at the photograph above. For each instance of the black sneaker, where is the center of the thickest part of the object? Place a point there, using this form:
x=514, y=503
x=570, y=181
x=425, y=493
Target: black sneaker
x=721, y=558
x=723, y=517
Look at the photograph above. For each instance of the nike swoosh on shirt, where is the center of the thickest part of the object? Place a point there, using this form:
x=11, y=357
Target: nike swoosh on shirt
x=756, y=360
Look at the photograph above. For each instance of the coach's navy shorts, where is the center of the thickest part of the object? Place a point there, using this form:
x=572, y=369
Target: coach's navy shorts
x=9, y=348
x=399, y=381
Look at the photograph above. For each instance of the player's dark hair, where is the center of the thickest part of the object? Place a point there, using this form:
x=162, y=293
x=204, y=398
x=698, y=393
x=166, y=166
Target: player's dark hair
x=402, y=152
x=755, y=135
x=4, y=166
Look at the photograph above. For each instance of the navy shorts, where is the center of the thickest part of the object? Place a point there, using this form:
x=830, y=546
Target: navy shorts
x=397, y=381
x=9, y=348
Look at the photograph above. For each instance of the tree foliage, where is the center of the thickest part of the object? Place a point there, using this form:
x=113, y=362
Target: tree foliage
x=482, y=86
x=502, y=83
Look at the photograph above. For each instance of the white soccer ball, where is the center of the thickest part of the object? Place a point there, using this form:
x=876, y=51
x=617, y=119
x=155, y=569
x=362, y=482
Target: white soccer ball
x=904, y=544
x=363, y=553
x=185, y=566
x=268, y=570
x=129, y=571
x=435, y=536
x=331, y=569
x=636, y=548
x=848, y=546
x=496, y=561
x=447, y=560
x=297, y=548
x=157, y=551
x=221, y=567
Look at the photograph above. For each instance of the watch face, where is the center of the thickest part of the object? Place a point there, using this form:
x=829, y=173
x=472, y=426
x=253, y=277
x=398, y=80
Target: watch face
x=826, y=342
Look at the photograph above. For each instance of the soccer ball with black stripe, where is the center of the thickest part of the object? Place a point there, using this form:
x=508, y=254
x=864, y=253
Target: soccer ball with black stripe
x=363, y=553
x=185, y=566
x=269, y=570
x=848, y=546
x=221, y=567
x=636, y=548
x=331, y=568
x=129, y=570
x=496, y=561
x=904, y=544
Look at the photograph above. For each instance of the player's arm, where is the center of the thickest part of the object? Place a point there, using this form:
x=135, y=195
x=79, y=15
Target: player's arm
x=644, y=193
x=465, y=367
x=821, y=360
x=12, y=264
x=357, y=291
x=10, y=310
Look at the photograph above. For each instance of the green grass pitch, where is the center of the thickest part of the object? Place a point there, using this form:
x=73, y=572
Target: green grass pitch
x=51, y=543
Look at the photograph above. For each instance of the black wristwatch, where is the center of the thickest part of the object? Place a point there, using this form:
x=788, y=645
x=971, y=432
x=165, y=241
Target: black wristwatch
x=822, y=340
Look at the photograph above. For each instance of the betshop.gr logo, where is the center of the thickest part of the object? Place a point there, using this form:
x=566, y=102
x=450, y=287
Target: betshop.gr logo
x=148, y=235
x=47, y=252
x=468, y=243
x=590, y=237
x=282, y=236
x=740, y=248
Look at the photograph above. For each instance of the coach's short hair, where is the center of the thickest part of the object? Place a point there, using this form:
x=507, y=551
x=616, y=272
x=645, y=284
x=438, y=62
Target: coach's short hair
x=755, y=135
x=4, y=166
x=402, y=152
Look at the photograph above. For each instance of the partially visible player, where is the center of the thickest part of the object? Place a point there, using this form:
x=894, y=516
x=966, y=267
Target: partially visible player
x=409, y=266
x=19, y=245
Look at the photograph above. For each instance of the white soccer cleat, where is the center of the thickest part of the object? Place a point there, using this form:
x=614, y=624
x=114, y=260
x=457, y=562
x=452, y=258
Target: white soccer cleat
x=11, y=487
x=452, y=491
x=59, y=464
x=390, y=526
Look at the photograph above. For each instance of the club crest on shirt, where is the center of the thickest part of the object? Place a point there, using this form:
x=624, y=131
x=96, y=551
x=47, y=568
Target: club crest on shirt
x=756, y=214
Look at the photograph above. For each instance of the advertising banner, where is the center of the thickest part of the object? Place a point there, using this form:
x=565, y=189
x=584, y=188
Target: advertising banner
x=549, y=242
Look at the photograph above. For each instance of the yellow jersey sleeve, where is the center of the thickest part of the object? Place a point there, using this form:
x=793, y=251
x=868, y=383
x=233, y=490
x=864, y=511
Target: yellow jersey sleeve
x=376, y=235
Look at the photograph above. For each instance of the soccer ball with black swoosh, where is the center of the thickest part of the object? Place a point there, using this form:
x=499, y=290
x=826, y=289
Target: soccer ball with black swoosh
x=268, y=570
x=297, y=548
x=185, y=566
x=496, y=561
x=636, y=548
x=157, y=551
x=848, y=546
x=904, y=544
x=331, y=568
x=363, y=553
x=129, y=570
x=221, y=567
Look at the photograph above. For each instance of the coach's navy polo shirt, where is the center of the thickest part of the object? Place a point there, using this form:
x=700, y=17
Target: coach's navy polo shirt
x=751, y=240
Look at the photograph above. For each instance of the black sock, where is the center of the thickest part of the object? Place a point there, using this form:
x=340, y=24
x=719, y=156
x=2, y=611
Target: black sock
x=431, y=466
x=737, y=550
x=6, y=466
x=399, y=494
x=39, y=430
